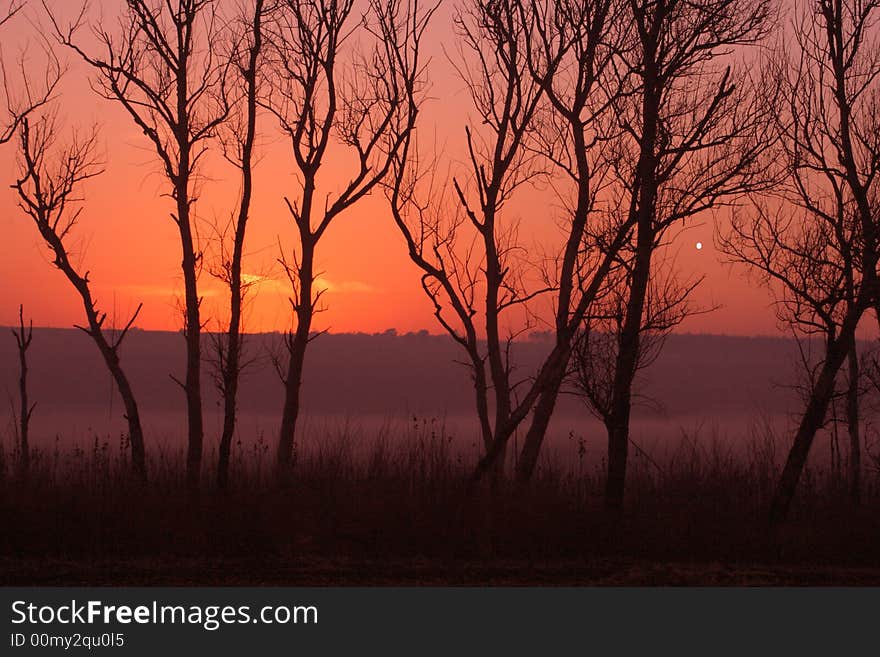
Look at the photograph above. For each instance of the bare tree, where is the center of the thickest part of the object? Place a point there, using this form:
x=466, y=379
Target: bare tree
x=162, y=66
x=23, y=338
x=807, y=256
x=25, y=96
x=329, y=93
x=49, y=186
x=817, y=241
x=535, y=72
x=506, y=100
x=691, y=137
x=596, y=352
x=238, y=141
x=575, y=135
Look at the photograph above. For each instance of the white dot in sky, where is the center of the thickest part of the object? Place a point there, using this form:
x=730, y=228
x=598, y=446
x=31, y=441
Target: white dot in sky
x=699, y=245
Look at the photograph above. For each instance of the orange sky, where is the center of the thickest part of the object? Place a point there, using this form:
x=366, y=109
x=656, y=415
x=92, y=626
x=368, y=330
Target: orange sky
x=129, y=243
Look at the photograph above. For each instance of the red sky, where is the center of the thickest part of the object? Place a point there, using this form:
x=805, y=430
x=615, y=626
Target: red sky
x=129, y=244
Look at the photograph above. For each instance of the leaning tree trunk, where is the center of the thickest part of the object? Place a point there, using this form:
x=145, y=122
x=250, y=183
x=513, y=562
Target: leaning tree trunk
x=545, y=389
x=531, y=449
x=135, y=431
x=811, y=421
x=132, y=415
x=546, y=403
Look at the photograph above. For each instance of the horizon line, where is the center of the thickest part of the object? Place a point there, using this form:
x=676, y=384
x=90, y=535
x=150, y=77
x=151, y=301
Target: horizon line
x=392, y=331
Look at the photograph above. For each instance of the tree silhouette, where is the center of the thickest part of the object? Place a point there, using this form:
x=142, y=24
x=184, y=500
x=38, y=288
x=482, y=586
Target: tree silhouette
x=162, y=66
x=238, y=142
x=327, y=96
x=570, y=54
x=690, y=140
x=596, y=353
x=815, y=239
x=28, y=96
x=808, y=258
x=23, y=338
x=506, y=101
x=49, y=185
x=533, y=72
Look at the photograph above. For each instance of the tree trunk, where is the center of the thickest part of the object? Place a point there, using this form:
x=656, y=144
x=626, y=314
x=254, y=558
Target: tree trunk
x=531, y=449
x=297, y=348
x=192, y=386
x=132, y=415
x=543, y=412
x=109, y=352
x=24, y=419
x=230, y=394
x=497, y=366
x=495, y=452
x=852, y=421
x=498, y=469
x=630, y=334
x=23, y=339
x=189, y=265
x=232, y=366
x=811, y=421
x=618, y=453
x=625, y=369
x=290, y=414
x=553, y=369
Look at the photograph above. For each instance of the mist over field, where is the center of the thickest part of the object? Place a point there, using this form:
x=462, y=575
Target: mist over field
x=710, y=385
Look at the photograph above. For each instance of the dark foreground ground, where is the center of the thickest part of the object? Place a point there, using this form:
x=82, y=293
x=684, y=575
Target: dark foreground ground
x=405, y=516
x=326, y=572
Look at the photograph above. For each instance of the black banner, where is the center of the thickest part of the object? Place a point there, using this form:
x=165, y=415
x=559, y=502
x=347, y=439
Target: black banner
x=412, y=621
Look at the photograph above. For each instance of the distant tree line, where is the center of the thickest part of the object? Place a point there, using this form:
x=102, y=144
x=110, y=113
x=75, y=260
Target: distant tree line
x=638, y=117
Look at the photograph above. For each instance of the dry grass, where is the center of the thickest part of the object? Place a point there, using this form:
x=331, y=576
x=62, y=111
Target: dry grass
x=401, y=497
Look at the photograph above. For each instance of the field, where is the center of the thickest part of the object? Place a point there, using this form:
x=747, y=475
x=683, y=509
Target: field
x=398, y=510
